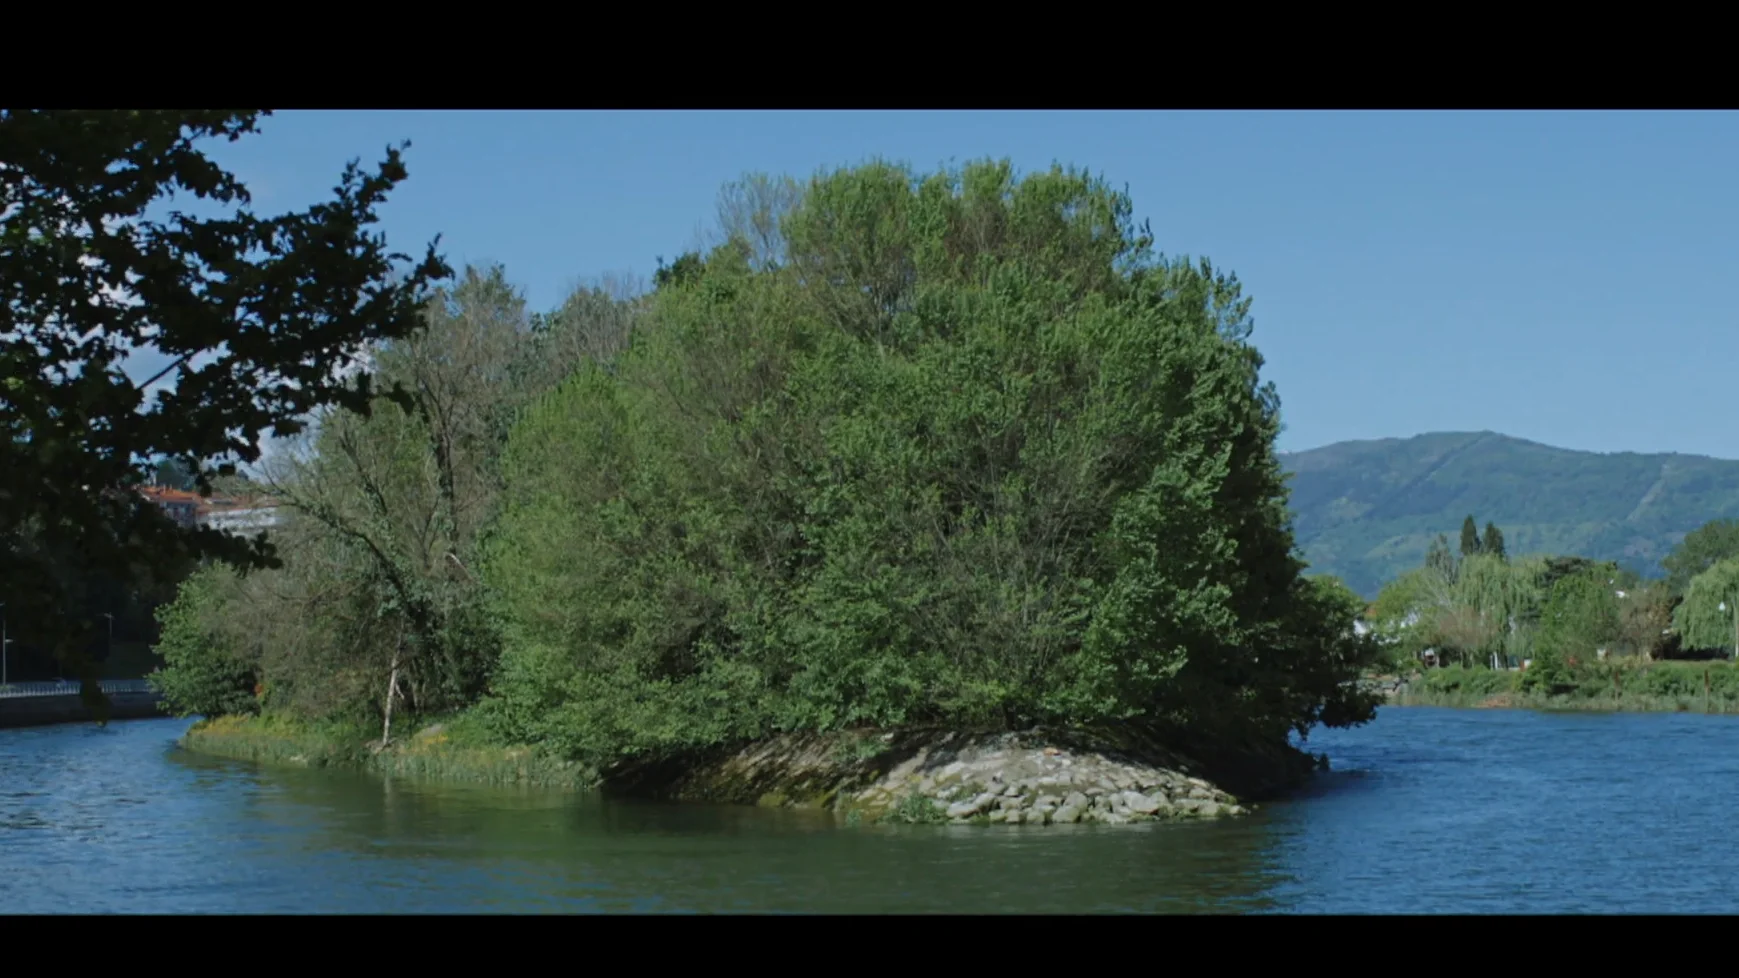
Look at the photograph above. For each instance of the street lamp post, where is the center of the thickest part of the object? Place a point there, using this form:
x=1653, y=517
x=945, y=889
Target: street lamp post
x=4, y=641
x=109, y=656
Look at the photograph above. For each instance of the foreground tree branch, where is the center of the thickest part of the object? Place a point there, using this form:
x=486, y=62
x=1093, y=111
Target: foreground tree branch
x=263, y=320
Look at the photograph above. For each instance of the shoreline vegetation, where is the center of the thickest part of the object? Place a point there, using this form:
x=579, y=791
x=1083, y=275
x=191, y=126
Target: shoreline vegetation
x=1110, y=775
x=439, y=751
x=1622, y=686
x=456, y=750
x=1481, y=629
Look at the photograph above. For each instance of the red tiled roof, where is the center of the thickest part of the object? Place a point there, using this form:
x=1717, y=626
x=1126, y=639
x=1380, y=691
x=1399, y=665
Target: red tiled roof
x=160, y=494
x=202, y=505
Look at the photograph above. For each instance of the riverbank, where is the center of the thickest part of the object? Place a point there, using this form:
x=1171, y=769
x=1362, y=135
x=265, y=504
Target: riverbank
x=1623, y=687
x=1109, y=776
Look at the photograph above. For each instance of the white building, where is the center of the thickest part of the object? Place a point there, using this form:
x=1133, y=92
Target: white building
x=249, y=520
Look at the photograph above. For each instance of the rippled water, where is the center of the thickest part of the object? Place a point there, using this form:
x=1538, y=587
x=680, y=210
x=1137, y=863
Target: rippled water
x=1432, y=811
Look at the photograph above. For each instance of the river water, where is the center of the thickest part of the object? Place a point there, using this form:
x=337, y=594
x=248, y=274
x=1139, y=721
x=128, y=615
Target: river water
x=1427, y=811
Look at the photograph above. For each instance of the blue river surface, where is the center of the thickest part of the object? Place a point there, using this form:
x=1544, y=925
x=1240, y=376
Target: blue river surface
x=1425, y=811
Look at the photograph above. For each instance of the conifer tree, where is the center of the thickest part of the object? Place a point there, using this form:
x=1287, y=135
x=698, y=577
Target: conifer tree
x=1469, y=537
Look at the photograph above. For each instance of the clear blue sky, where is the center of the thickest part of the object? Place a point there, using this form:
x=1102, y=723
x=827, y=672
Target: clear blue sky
x=1562, y=277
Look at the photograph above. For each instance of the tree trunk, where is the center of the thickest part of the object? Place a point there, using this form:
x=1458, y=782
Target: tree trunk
x=392, y=686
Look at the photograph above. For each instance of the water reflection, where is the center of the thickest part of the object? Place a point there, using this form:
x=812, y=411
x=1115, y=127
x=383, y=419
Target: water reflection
x=528, y=850
x=1427, y=811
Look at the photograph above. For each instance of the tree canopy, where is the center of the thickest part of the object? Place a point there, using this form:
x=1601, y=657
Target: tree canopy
x=1493, y=543
x=1487, y=608
x=963, y=450
x=1709, y=616
x=1700, y=550
x=1470, y=544
x=262, y=320
x=378, y=603
x=1581, y=618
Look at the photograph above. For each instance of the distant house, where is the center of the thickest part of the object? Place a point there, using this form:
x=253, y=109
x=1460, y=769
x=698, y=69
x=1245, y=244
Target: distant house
x=182, y=507
x=235, y=514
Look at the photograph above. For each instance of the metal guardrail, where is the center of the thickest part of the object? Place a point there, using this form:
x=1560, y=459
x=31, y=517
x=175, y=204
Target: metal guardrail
x=70, y=688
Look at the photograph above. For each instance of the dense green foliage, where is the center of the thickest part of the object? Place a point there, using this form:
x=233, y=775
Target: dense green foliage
x=206, y=670
x=1367, y=511
x=947, y=450
x=257, y=317
x=1709, y=615
x=1580, y=619
x=1700, y=550
x=1562, y=616
x=377, y=605
x=966, y=454
x=1489, y=609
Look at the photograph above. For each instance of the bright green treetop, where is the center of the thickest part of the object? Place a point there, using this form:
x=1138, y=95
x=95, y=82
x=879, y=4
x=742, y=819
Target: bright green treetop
x=959, y=449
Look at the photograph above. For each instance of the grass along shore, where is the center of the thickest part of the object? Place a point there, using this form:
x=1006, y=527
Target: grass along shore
x=454, y=749
x=1114, y=775
x=442, y=750
x=1622, y=686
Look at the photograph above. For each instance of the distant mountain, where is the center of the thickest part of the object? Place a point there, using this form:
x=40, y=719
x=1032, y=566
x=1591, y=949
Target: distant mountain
x=1366, y=510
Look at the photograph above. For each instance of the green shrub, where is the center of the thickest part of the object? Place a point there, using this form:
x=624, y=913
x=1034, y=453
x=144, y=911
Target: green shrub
x=915, y=809
x=1471, y=682
x=1581, y=616
x=202, y=674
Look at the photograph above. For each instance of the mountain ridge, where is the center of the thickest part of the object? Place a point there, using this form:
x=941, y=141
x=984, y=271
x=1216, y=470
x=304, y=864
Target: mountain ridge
x=1365, y=510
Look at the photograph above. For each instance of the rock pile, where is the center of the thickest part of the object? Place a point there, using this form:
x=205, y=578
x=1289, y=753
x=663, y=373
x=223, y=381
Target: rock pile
x=1029, y=778
x=1002, y=780
x=1388, y=687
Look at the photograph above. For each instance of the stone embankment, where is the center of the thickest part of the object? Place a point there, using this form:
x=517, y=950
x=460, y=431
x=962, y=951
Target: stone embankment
x=1013, y=779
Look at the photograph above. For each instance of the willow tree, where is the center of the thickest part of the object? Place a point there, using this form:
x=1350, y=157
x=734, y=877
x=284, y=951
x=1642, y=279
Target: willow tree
x=1709, y=616
x=1700, y=550
x=964, y=451
x=1480, y=609
x=1499, y=595
x=1406, y=611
